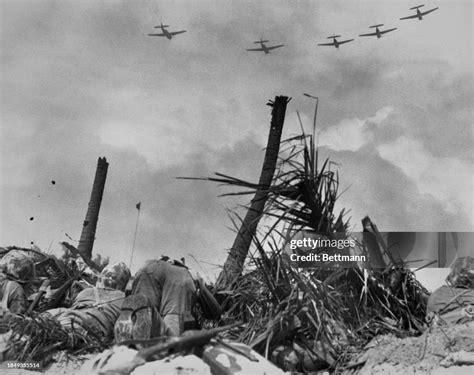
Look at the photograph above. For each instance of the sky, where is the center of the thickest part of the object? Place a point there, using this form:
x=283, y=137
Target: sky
x=82, y=80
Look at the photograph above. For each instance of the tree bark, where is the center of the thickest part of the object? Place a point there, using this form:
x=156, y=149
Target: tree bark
x=92, y=216
x=234, y=264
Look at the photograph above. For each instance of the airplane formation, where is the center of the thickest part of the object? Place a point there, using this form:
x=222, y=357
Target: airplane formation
x=335, y=42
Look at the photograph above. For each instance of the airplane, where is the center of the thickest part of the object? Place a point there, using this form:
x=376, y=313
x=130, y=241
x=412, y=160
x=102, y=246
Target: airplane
x=166, y=33
x=419, y=14
x=378, y=33
x=336, y=43
x=263, y=47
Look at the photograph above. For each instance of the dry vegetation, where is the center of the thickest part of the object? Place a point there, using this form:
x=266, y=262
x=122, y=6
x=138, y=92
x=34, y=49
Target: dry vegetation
x=325, y=315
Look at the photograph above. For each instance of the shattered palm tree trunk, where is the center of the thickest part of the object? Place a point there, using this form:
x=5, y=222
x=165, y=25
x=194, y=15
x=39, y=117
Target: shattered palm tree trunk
x=238, y=253
x=90, y=223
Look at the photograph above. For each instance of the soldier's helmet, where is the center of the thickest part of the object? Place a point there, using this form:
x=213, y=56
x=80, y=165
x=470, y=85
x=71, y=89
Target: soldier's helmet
x=17, y=266
x=462, y=273
x=115, y=276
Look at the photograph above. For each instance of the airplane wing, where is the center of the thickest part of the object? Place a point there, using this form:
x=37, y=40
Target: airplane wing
x=408, y=17
x=273, y=47
x=255, y=49
x=327, y=44
x=345, y=41
x=369, y=34
x=428, y=11
x=387, y=31
x=177, y=32
x=156, y=35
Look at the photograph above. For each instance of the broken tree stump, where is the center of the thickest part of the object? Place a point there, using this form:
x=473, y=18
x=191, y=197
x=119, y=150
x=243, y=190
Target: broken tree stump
x=86, y=241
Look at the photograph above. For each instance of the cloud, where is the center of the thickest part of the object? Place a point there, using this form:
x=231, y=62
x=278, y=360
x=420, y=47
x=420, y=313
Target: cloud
x=168, y=133
x=447, y=179
x=380, y=116
x=352, y=134
x=347, y=135
x=371, y=185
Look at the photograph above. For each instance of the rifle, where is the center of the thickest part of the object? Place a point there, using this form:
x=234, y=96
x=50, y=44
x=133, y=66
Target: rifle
x=183, y=343
x=173, y=345
x=59, y=293
x=41, y=291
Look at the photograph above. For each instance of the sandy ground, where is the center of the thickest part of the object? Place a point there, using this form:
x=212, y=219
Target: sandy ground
x=434, y=352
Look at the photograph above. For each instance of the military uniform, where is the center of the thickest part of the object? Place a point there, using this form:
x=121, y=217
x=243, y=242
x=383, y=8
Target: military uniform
x=96, y=309
x=170, y=288
x=12, y=296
